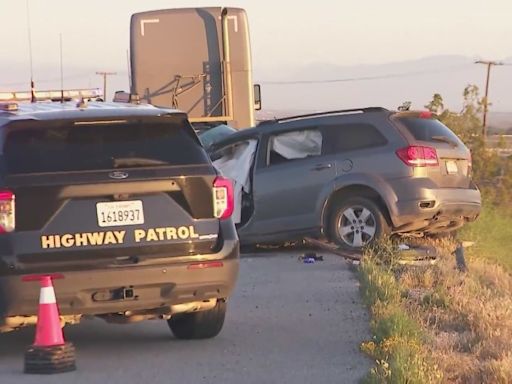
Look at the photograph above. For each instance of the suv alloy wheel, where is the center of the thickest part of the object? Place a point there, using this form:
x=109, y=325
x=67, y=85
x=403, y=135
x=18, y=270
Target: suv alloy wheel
x=356, y=222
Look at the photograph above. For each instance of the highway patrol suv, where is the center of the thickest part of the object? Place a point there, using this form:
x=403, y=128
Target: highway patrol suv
x=120, y=201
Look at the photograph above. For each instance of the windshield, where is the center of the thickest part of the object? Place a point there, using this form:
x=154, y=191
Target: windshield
x=214, y=135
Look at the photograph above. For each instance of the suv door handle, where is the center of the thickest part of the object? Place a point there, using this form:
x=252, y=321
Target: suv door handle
x=321, y=167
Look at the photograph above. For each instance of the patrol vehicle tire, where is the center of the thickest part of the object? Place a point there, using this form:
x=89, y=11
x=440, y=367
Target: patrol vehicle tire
x=199, y=325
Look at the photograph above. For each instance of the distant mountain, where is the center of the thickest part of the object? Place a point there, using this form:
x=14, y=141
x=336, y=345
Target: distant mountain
x=500, y=122
x=387, y=85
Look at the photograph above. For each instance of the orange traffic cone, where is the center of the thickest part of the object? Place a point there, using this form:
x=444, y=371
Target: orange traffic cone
x=49, y=353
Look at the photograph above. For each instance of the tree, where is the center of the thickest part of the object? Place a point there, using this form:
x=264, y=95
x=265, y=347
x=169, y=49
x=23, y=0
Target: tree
x=467, y=125
x=436, y=105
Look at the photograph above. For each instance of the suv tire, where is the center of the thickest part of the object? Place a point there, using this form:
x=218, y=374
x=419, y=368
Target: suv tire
x=199, y=325
x=356, y=222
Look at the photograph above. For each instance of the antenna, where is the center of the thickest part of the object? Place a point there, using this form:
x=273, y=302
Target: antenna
x=61, y=72
x=32, y=86
x=129, y=70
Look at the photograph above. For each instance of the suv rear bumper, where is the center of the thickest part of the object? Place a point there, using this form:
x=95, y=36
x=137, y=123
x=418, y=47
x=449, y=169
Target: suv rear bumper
x=151, y=286
x=437, y=209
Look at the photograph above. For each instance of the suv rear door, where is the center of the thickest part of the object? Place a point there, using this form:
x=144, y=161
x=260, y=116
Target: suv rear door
x=107, y=191
x=454, y=159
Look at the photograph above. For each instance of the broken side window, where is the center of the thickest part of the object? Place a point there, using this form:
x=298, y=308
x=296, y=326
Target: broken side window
x=295, y=145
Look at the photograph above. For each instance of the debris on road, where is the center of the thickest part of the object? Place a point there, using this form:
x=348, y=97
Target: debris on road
x=420, y=255
x=350, y=255
x=310, y=258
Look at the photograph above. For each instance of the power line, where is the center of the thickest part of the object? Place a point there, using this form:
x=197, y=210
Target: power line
x=366, y=78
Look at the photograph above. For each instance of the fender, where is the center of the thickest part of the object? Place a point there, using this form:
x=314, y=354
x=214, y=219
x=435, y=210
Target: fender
x=372, y=181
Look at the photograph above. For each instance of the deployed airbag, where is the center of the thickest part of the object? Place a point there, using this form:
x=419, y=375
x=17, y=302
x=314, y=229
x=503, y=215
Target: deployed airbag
x=236, y=164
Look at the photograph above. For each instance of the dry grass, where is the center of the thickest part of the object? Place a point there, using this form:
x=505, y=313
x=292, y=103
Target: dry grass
x=466, y=319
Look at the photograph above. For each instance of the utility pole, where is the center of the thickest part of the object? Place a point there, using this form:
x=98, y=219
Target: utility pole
x=486, y=97
x=105, y=74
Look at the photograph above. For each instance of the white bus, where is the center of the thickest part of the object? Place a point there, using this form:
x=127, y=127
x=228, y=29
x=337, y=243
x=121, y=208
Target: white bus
x=197, y=60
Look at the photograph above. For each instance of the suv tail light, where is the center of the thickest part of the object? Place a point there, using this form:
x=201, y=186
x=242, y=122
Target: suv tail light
x=223, y=198
x=7, y=223
x=418, y=156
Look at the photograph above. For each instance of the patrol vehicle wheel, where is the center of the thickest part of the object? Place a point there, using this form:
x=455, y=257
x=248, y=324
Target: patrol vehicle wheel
x=199, y=325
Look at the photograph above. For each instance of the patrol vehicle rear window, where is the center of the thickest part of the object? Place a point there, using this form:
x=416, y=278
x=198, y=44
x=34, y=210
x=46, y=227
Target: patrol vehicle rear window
x=82, y=146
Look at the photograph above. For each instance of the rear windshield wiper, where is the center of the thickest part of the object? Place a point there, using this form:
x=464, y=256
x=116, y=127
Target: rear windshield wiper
x=445, y=139
x=136, y=161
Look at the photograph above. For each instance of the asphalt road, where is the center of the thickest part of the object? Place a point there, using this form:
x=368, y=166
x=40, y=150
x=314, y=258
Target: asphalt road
x=288, y=322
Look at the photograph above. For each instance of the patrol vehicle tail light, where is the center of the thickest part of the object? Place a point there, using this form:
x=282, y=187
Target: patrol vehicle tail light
x=7, y=223
x=223, y=200
x=418, y=156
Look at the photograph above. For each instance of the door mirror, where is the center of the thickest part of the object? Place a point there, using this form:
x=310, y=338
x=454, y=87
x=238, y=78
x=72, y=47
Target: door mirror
x=257, y=97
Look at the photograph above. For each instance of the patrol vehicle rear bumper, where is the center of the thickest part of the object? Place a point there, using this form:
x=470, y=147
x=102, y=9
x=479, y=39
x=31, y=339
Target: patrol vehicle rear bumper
x=149, y=285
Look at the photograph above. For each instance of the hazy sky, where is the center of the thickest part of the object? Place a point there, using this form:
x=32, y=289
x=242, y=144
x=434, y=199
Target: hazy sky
x=285, y=34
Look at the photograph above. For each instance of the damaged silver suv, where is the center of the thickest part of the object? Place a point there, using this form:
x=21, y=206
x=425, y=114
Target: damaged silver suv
x=351, y=176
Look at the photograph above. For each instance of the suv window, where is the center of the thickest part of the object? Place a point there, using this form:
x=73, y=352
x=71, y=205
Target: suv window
x=427, y=129
x=350, y=137
x=295, y=145
x=60, y=146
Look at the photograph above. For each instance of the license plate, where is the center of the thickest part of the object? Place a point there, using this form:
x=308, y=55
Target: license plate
x=451, y=167
x=115, y=213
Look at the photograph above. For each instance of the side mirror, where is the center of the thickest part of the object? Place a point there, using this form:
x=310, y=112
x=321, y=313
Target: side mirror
x=257, y=97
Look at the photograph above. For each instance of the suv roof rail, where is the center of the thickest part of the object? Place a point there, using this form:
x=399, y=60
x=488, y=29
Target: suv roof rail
x=326, y=113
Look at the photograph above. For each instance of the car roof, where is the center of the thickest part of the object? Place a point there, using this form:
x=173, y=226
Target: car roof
x=72, y=110
x=294, y=122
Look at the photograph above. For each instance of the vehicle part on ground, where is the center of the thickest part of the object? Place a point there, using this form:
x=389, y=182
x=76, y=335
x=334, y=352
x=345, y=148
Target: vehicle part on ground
x=199, y=325
x=410, y=255
x=352, y=255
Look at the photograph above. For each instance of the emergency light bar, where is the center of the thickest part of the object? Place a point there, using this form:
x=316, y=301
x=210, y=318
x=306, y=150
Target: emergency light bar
x=53, y=95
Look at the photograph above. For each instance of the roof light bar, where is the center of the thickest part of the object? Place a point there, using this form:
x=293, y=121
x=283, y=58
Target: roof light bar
x=53, y=95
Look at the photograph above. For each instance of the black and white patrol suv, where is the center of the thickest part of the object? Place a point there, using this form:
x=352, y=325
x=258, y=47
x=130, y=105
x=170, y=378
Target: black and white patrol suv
x=123, y=203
